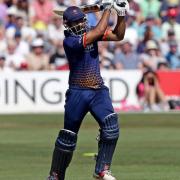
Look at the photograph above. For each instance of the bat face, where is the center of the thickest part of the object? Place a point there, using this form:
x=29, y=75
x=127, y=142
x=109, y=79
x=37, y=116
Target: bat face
x=86, y=9
x=92, y=8
x=58, y=12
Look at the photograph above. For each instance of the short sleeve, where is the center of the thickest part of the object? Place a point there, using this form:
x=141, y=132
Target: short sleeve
x=74, y=43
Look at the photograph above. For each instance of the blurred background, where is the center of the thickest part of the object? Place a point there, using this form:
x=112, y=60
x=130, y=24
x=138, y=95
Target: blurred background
x=142, y=71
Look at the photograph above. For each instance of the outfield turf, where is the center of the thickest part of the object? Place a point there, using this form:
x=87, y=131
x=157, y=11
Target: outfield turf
x=149, y=147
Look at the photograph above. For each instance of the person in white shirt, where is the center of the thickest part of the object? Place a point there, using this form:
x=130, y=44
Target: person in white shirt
x=14, y=60
x=22, y=46
x=4, y=68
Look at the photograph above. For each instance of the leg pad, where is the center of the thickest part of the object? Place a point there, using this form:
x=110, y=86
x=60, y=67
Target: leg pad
x=63, y=152
x=110, y=129
x=109, y=134
x=66, y=140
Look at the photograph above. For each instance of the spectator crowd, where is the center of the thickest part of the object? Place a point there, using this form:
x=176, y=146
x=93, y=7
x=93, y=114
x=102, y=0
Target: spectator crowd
x=31, y=39
x=31, y=36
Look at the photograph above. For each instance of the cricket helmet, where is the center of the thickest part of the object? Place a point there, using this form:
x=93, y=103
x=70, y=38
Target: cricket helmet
x=75, y=20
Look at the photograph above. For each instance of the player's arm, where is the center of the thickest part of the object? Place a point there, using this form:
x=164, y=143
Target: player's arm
x=99, y=29
x=94, y=34
x=118, y=33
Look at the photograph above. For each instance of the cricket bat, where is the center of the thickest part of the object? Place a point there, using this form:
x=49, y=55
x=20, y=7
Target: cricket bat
x=86, y=9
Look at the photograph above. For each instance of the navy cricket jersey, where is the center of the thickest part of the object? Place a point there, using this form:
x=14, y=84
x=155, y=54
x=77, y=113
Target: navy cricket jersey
x=83, y=62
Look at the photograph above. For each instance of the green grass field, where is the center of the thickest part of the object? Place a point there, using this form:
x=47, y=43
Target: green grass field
x=148, y=149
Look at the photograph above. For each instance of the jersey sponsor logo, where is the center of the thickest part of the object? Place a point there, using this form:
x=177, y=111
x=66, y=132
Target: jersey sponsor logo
x=89, y=47
x=80, y=40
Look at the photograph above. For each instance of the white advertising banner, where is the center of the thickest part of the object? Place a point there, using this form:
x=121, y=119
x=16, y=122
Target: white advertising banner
x=41, y=92
x=122, y=86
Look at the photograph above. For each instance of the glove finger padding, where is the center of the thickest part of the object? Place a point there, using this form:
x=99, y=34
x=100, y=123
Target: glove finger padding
x=121, y=7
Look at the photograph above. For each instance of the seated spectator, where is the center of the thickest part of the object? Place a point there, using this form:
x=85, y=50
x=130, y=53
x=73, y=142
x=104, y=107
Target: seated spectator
x=27, y=32
x=23, y=8
x=22, y=46
x=58, y=60
x=131, y=32
x=41, y=11
x=171, y=24
x=169, y=4
x=37, y=60
x=11, y=17
x=55, y=29
x=127, y=58
x=148, y=35
x=173, y=56
x=105, y=56
x=3, y=67
x=14, y=60
x=148, y=7
x=150, y=95
x=164, y=44
x=150, y=22
x=151, y=57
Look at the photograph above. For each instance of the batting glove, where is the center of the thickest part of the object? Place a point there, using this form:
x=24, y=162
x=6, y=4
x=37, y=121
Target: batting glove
x=121, y=7
x=107, y=4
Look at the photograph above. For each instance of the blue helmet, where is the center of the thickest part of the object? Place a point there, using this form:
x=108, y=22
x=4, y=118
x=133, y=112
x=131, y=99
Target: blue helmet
x=75, y=20
x=72, y=14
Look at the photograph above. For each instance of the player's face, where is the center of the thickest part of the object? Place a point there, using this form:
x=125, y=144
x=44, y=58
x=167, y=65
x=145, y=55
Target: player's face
x=78, y=27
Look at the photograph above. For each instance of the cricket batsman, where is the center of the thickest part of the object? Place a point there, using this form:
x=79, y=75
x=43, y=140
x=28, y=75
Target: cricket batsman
x=87, y=92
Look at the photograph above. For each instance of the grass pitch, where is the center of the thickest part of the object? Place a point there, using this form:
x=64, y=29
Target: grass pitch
x=148, y=149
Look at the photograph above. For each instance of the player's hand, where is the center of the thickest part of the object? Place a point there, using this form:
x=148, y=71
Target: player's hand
x=107, y=4
x=121, y=7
